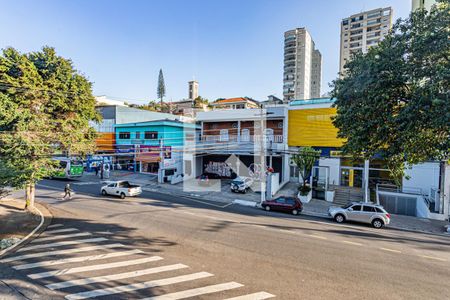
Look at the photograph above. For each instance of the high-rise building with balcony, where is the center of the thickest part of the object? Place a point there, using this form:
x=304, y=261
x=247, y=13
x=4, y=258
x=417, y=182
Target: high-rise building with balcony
x=302, y=66
x=361, y=31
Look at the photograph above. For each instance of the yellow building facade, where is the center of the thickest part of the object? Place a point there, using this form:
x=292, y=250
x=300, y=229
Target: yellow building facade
x=312, y=127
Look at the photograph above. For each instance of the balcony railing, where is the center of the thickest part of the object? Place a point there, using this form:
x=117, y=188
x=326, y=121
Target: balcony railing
x=269, y=138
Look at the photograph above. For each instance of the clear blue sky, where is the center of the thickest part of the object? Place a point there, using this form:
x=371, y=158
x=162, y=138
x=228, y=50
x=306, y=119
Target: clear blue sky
x=232, y=47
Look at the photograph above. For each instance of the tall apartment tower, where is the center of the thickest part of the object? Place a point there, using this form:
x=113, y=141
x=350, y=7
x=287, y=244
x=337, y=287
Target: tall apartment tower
x=416, y=4
x=193, y=89
x=361, y=31
x=302, y=66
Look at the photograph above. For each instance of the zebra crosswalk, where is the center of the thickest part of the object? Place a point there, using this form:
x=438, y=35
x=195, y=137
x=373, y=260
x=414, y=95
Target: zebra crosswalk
x=84, y=266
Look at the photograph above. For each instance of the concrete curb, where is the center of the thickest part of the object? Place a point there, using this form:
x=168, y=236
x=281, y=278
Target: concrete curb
x=46, y=218
x=245, y=202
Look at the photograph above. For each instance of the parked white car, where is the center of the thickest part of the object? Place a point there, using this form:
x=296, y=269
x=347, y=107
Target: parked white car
x=241, y=184
x=361, y=212
x=121, y=188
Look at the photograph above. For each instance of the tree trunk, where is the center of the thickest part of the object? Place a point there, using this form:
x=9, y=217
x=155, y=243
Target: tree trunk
x=30, y=192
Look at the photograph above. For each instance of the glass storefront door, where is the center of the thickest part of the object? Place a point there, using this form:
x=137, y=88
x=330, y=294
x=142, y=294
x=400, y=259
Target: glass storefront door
x=352, y=177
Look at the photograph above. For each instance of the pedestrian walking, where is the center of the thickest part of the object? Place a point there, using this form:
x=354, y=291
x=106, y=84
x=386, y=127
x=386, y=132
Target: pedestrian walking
x=107, y=171
x=101, y=171
x=67, y=192
x=96, y=170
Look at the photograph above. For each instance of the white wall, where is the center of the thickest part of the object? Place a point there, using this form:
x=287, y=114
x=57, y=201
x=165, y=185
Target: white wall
x=423, y=176
x=334, y=166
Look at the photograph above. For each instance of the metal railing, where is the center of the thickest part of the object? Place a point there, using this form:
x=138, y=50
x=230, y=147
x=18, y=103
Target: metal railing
x=276, y=138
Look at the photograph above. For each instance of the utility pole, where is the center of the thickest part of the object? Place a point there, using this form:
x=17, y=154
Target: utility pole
x=262, y=156
x=161, y=162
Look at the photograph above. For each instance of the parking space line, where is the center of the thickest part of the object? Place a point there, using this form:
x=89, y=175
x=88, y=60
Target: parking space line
x=76, y=259
x=60, y=237
x=391, y=250
x=61, y=230
x=137, y=286
x=197, y=291
x=54, y=225
x=94, y=267
x=254, y=296
x=433, y=257
x=78, y=282
x=63, y=243
x=67, y=251
x=317, y=236
x=352, y=243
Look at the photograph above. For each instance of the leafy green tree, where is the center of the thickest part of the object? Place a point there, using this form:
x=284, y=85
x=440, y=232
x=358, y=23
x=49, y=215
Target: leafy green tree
x=45, y=108
x=305, y=159
x=161, y=91
x=199, y=102
x=394, y=100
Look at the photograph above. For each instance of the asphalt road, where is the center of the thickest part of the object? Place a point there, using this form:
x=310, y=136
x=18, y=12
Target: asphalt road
x=232, y=250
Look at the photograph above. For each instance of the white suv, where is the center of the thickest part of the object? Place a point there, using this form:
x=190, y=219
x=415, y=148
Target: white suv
x=241, y=184
x=361, y=212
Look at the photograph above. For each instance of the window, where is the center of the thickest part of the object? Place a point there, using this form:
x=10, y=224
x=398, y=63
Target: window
x=280, y=201
x=368, y=208
x=138, y=135
x=345, y=22
x=224, y=135
x=151, y=135
x=290, y=201
x=379, y=210
x=356, y=207
x=124, y=135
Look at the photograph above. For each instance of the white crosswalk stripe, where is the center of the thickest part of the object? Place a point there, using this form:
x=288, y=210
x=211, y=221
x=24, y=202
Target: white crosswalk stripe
x=64, y=243
x=61, y=230
x=75, y=259
x=137, y=286
x=66, y=251
x=197, y=291
x=132, y=260
x=54, y=225
x=95, y=267
x=84, y=281
x=60, y=237
x=254, y=296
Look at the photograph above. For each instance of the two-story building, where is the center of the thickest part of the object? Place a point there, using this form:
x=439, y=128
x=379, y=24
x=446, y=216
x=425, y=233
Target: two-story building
x=238, y=132
x=235, y=103
x=157, y=146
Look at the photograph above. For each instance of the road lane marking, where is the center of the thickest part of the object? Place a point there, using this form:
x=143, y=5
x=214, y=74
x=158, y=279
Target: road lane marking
x=318, y=236
x=61, y=230
x=84, y=281
x=391, y=250
x=67, y=251
x=60, y=237
x=137, y=286
x=76, y=259
x=433, y=257
x=352, y=243
x=254, y=296
x=197, y=291
x=63, y=243
x=54, y=225
x=94, y=267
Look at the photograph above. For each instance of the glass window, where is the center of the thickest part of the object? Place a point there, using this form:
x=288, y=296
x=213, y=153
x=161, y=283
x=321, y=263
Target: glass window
x=377, y=209
x=124, y=135
x=368, y=208
x=138, y=135
x=290, y=201
x=356, y=207
x=151, y=135
x=280, y=200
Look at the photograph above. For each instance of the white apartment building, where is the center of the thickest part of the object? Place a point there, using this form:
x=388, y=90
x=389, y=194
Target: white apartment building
x=361, y=31
x=427, y=4
x=302, y=66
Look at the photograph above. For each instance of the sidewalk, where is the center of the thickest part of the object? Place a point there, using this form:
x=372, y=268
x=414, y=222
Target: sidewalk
x=316, y=208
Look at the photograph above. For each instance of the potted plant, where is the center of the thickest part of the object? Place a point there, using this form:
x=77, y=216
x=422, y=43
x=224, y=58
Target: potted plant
x=305, y=159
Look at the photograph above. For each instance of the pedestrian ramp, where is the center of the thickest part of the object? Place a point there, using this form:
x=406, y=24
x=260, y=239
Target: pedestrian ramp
x=82, y=265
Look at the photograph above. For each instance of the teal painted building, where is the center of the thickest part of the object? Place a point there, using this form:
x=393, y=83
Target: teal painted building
x=157, y=145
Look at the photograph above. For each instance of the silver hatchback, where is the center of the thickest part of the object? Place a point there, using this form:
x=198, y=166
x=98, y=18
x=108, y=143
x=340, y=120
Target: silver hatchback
x=361, y=212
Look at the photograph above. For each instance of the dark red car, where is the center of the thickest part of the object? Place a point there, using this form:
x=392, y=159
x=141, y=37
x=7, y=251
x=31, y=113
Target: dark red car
x=285, y=204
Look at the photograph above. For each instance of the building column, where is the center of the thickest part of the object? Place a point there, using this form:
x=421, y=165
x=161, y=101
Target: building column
x=366, y=181
x=239, y=131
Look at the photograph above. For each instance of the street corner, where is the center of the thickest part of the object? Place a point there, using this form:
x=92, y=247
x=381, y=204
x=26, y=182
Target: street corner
x=18, y=225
